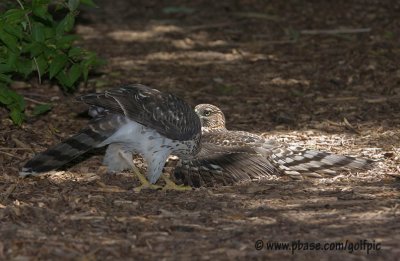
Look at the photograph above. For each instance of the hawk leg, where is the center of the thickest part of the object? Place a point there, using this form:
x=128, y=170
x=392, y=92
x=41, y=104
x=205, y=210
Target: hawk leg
x=145, y=184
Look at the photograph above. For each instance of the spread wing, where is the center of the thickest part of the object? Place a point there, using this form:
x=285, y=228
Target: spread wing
x=225, y=158
x=169, y=115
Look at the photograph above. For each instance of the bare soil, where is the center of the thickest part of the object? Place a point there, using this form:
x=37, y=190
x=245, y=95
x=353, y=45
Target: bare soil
x=290, y=70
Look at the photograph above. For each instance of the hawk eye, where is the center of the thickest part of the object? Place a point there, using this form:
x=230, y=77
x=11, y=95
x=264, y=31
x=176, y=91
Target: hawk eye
x=207, y=113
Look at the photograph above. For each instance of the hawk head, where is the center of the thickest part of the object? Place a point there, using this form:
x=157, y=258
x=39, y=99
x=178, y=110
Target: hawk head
x=211, y=117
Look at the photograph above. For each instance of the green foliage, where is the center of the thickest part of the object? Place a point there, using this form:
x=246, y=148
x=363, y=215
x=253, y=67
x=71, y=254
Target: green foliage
x=14, y=102
x=41, y=108
x=33, y=42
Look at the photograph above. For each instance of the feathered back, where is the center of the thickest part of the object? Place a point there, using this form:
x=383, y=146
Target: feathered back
x=166, y=113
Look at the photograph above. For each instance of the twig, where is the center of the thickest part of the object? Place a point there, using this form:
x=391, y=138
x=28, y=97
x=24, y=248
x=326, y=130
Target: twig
x=22, y=7
x=9, y=154
x=34, y=101
x=337, y=31
x=349, y=126
x=38, y=70
x=25, y=93
x=4, y=148
x=20, y=143
x=8, y=192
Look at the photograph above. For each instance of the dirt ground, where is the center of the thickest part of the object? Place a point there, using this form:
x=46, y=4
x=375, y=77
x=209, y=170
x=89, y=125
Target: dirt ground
x=291, y=70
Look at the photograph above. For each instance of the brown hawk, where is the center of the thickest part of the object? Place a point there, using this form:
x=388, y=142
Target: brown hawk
x=227, y=157
x=129, y=119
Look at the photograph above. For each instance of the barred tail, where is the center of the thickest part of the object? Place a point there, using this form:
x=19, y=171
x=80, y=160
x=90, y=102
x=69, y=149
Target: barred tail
x=63, y=152
x=298, y=162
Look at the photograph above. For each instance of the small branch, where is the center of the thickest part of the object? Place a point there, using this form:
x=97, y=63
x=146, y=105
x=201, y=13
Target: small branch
x=22, y=7
x=8, y=192
x=38, y=70
x=4, y=148
x=20, y=143
x=337, y=31
x=9, y=154
x=34, y=101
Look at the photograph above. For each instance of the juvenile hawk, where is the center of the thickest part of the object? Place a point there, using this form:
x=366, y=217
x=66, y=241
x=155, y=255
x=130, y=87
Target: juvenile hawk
x=129, y=119
x=228, y=157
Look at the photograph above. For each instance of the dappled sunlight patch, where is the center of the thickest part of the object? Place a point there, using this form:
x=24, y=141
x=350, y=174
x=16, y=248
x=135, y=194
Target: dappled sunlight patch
x=188, y=43
x=211, y=56
x=288, y=82
x=153, y=32
x=88, y=32
x=195, y=55
x=187, y=58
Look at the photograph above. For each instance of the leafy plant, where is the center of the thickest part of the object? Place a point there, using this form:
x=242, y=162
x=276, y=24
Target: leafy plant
x=34, y=42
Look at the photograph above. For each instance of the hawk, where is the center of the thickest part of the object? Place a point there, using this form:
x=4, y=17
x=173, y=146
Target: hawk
x=129, y=119
x=227, y=157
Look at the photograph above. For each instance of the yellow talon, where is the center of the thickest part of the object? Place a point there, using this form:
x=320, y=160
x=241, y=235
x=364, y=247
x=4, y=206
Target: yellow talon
x=145, y=183
x=170, y=185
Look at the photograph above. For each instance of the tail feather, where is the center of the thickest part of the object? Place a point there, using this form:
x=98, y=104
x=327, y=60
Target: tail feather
x=298, y=162
x=63, y=152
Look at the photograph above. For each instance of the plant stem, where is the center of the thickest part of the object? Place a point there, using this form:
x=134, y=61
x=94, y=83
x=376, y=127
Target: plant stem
x=30, y=31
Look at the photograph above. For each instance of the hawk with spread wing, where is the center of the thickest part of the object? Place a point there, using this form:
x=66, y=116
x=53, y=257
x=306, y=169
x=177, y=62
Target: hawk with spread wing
x=228, y=157
x=130, y=119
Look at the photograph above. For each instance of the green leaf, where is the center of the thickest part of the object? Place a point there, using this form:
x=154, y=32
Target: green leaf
x=12, y=59
x=49, y=32
x=66, y=24
x=35, y=49
x=86, y=65
x=40, y=9
x=57, y=64
x=9, y=40
x=17, y=116
x=41, y=12
x=14, y=30
x=24, y=25
x=73, y=4
x=14, y=16
x=36, y=3
x=88, y=3
x=11, y=99
x=50, y=52
x=89, y=62
x=75, y=52
x=66, y=41
x=42, y=108
x=5, y=97
x=74, y=73
x=24, y=66
x=21, y=102
x=42, y=64
x=63, y=80
x=5, y=68
x=5, y=78
x=18, y=101
x=85, y=72
x=38, y=32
